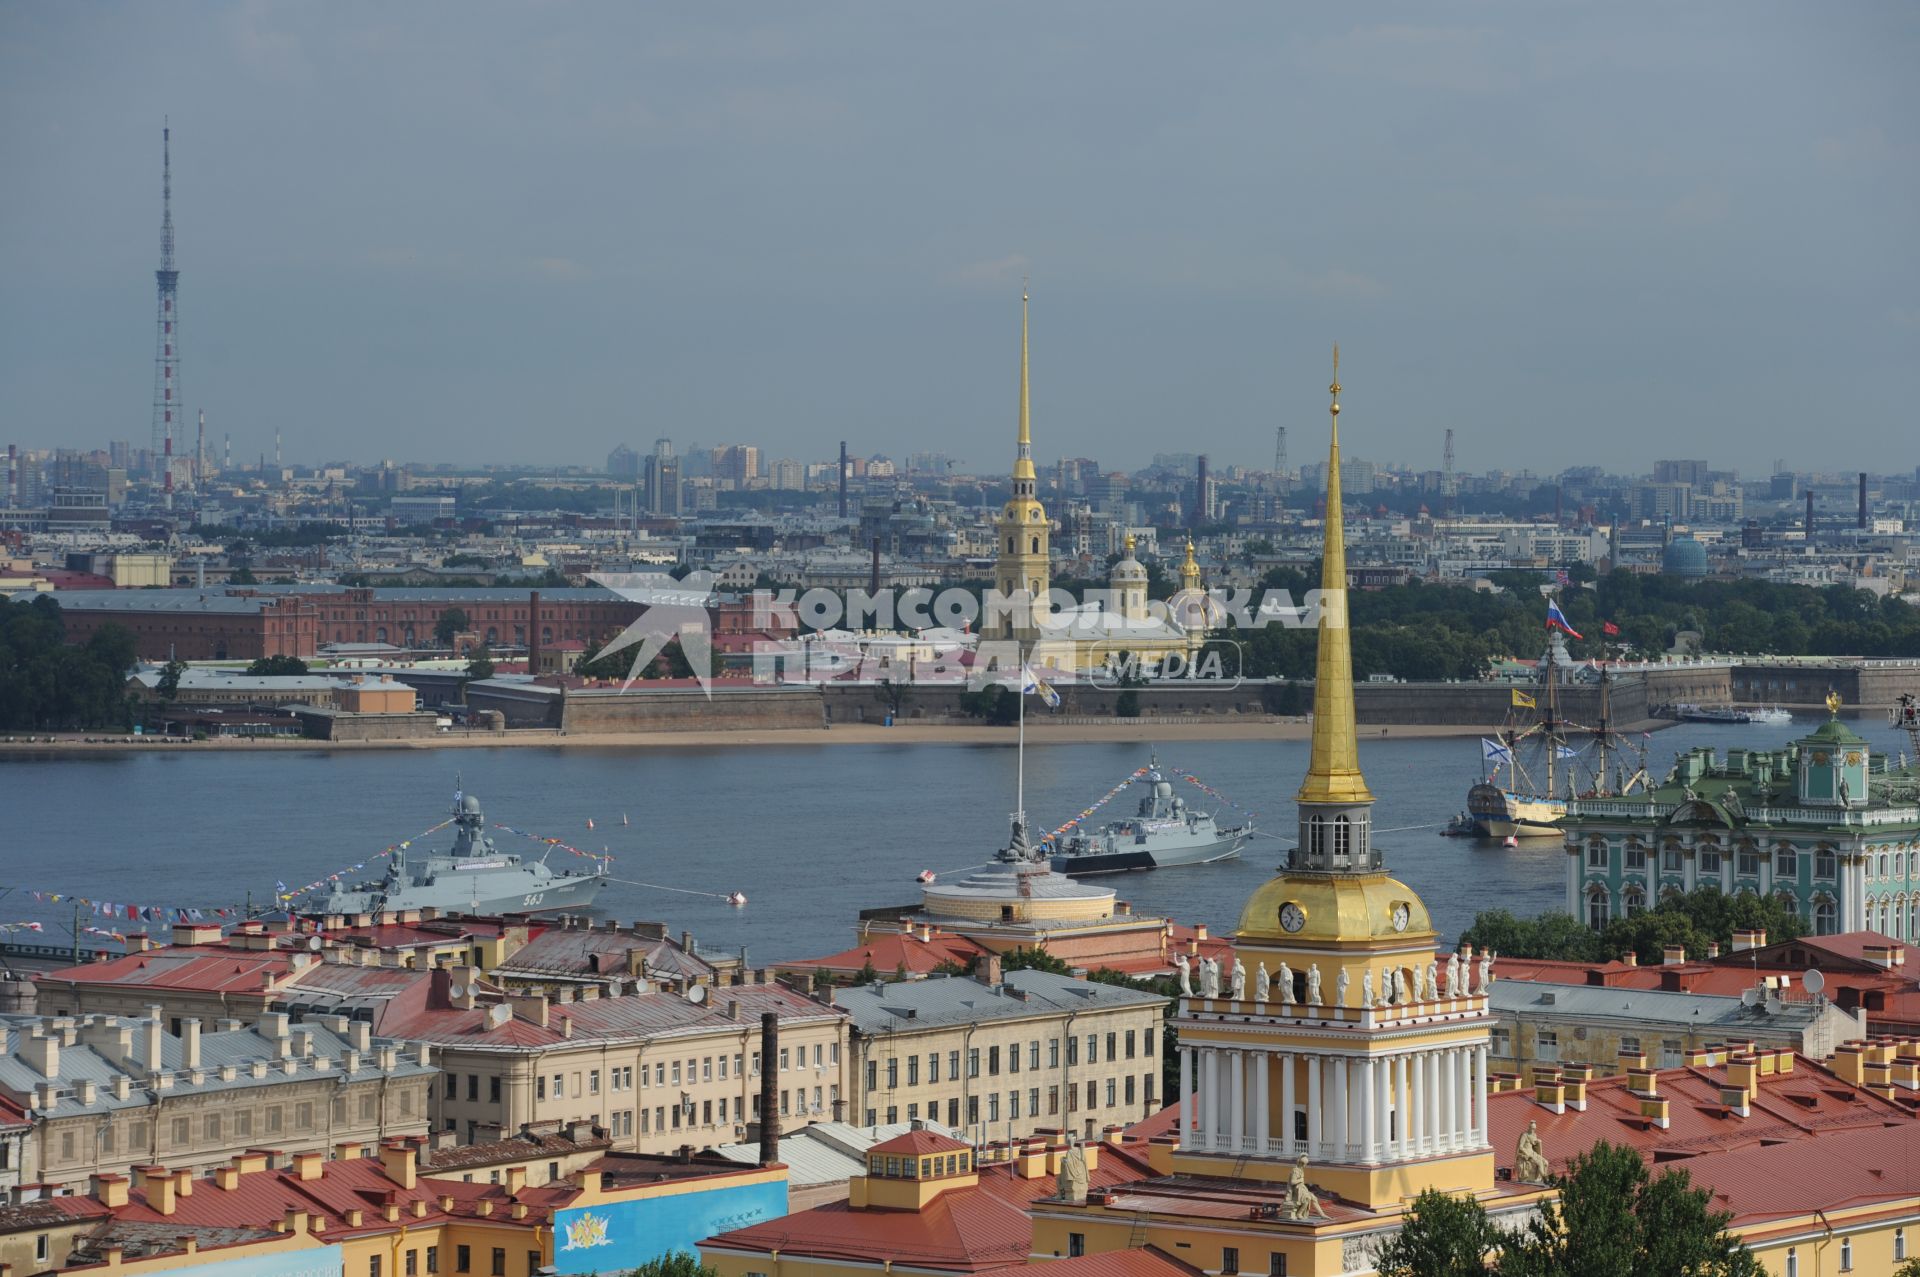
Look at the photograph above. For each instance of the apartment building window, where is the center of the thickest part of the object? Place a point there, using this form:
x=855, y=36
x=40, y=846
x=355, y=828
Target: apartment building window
x=1033, y=1101
x=1013, y=1105
x=893, y=1074
x=463, y=1259
x=1823, y=865
x=1748, y=864
x=273, y=1120
x=1013, y=1058
x=1150, y=1035
x=367, y=1102
x=1671, y=860
x=499, y=1261
x=1899, y=1243
x=453, y=1086
x=1053, y=1100
x=913, y=1113
x=833, y=1053
x=413, y=1263
x=1146, y=1087
x=1132, y=1034
x=1229, y=1259
x=676, y=1072
x=973, y=1110
x=913, y=1070
x=1785, y=863
x=1546, y=1045
x=1113, y=1052
x=1073, y=1052
x=213, y=1126
x=433, y=1259
x=676, y=1111
x=1846, y=1254
x=933, y=1067
x=1053, y=1053
x=783, y=1103
x=593, y=1082
x=1276, y=1264
x=785, y=1054
x=1598, y=856
x=706, y=1113
x=706, y=1069
x=243, y=1122
x=660, y=1071
x=993, y=1107
x=1033, y=1054
x=723, y=1068
x=1093, y=1048
x=493, y=1090
x=873, y=1117
x=533, y=1262
x=1629, y=1045
x=1636, y=856
x=1112, y=1094
x=953, y=1112
x=873, y=1075
x=1076, y=1245
x=182, y=1135
x=1093, y=1095
x=540, y=1087
x=973, y=1062
x=373, y=1266
x=1130, y=1092
x=819, y=1055
x=993, y=1061
x=739, y=1069
x=1670, y=1053
x=953, y=1065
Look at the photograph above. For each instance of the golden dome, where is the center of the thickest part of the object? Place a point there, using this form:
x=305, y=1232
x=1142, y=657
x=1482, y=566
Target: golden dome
x=1334, y=908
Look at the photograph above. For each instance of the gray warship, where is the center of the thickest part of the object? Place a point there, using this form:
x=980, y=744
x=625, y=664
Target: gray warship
x=1162, y=833
x=473, y=877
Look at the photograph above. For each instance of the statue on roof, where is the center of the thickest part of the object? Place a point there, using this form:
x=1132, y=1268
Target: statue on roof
x=1262, y=983
x=1071, y=1185
x=1285, y=980
x=1366, y=986
x=1302, y=1202
x=1209, y=978
x=1185, y=969
x=1486, y=972
x=1313, y=985
x=1238, y=991
x=1529, y=1160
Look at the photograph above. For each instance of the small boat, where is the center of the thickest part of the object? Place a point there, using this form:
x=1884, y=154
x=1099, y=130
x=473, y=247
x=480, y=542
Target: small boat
x=926, y=875
x=1688, y=713
x=737, y=899
x=1770, y=716
x=1161, y=834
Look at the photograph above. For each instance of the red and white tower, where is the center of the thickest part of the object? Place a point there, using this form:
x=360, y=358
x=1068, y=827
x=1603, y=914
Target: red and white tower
x=166, y=359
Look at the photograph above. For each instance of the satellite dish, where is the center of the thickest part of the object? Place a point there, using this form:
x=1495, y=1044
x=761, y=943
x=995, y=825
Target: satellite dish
x=697, y=994
x=314, y=943
x=1813, y=981
x=1749, y=997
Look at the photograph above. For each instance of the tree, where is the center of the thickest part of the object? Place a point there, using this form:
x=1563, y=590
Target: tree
x=169, y=685
x=1127, y=704
x=1443, y=1236
x=242, y=574
x=1909, y=1269
x=995, y=704
x=1032, y=959
x=1614, y=1219
x=681, y=1263
x=1551, y=935
x=277, y=667
x=481, y=666
x=452, y=621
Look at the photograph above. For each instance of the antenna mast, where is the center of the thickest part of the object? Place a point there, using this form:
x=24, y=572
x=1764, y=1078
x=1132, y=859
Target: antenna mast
x=166, y=372
x=1447, y=485
x=1280, y=459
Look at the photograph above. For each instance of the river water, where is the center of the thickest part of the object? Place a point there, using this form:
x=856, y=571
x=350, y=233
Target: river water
x=811, y=834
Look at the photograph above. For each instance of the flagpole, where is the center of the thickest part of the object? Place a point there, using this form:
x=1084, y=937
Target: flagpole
x=1020, y=784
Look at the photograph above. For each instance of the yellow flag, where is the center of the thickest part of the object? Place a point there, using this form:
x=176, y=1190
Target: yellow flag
x=1521, y=700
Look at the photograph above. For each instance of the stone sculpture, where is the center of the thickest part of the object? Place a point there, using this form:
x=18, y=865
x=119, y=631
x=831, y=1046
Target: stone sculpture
x=1072, y=1183
x=1313, y=985
x=1185, y=969
x=1302, y=1203
x=1340, y=987
x=1529, y=1160
x=1262, y=983
x=1239, y=989
x=1286, y=985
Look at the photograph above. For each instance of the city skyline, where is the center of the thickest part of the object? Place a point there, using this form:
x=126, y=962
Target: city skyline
x=799, y=230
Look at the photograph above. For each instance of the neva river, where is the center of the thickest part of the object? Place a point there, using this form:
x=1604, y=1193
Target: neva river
x=810, y=834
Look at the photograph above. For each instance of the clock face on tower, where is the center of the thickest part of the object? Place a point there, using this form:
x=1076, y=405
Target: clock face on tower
x=1400, y=916
x=1292, y=916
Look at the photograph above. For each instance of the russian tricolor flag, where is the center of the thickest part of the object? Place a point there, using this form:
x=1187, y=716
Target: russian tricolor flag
x=1556, y=620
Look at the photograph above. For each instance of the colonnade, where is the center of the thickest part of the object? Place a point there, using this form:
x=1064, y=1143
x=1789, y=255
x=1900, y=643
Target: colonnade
x=1391, y=1107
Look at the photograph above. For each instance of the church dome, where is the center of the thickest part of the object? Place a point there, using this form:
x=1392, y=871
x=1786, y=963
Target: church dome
x=1350, y=908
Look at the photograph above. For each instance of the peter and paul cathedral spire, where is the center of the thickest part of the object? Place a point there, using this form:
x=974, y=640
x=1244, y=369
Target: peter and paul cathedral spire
x=1022, y=562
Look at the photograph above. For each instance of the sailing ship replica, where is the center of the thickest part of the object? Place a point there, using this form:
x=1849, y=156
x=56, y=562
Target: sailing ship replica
x=1539, y=759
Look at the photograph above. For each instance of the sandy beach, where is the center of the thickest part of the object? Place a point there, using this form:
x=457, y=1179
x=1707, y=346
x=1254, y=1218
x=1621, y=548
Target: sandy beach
x=1039, y=732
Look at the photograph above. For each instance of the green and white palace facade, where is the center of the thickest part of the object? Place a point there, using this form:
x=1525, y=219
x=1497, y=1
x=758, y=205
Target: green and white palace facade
x=1827, y=825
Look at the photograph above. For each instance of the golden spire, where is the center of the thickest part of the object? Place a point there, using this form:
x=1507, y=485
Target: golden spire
x=1333, y=772
x=1023, y=458
x=1130, y=545
x=1190, y=570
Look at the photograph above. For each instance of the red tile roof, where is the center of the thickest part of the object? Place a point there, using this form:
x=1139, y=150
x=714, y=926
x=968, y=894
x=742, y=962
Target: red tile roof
x=972, y=1229
x=889, y=952
x=1148, y=1261
x=916, y=1143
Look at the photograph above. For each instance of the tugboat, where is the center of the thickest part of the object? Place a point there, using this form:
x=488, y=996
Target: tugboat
x=473, y=877
x=1162, y=833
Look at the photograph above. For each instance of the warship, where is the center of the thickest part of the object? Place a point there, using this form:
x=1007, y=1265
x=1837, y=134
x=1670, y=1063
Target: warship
x=1162, y=833
x=472, y=877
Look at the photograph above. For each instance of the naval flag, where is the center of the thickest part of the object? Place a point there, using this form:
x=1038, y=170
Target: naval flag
x=1494, y=751
x=1556, y=620
x=1032, y=684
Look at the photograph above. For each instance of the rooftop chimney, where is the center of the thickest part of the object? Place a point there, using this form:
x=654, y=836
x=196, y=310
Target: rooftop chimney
x=769, y=1086
x=397, y=1161
x=190, y=1044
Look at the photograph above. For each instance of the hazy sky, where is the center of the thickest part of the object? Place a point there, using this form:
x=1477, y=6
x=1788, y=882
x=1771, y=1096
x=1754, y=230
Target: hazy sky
x=1574, y=233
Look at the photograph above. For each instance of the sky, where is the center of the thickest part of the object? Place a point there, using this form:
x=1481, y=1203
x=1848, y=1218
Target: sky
x=525, y=233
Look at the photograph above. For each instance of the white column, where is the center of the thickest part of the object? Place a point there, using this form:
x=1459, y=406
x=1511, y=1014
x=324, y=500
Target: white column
x=1287, y=1148
x=1403, y=1108
x=1356, y=1111
x=1692, y=864
x=1449, y=1100
x=1262, y=1117
x=1481, y=1138
x=1237, y=1123
x=1186, y=1097
x=1316, y=1120
x=1383, y=1095
x=1369, y=1111
x=1209, y=1098
x=1337, y=1108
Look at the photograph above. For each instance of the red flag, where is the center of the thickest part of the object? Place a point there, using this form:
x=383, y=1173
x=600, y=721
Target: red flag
x=1608, y=627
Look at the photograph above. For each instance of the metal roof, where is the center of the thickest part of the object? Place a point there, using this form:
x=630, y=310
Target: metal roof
x=1527, y=999
x=947, y=1000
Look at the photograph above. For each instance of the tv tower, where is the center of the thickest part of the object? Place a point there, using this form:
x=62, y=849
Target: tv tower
x=166, y=371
